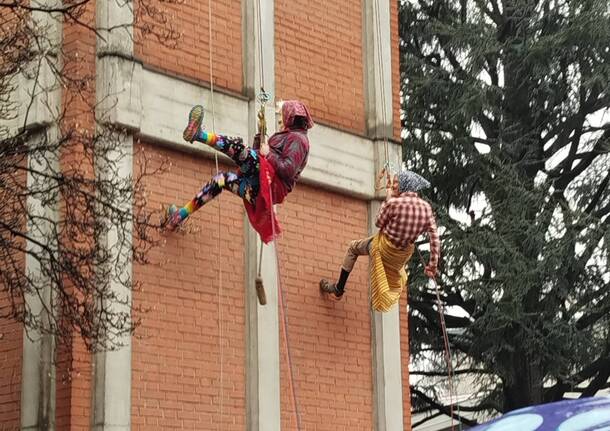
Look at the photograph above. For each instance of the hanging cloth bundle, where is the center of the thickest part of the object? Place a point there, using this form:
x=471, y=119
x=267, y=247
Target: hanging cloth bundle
x=262, y=131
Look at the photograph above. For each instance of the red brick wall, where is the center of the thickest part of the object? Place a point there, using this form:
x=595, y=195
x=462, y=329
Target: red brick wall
x=74, y=388
x=318, y=59
x=175, y=358
x=73, y=370
x=404, y=358
x=11, y=350
x=330, y=341
x=11, y=332
x=176, y=369
x=190, y=55
x=404, y=319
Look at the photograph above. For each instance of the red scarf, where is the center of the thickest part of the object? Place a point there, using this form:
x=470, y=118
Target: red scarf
x=262, y=215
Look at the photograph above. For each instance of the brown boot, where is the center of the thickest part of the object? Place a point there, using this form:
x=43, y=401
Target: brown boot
x=330, y=290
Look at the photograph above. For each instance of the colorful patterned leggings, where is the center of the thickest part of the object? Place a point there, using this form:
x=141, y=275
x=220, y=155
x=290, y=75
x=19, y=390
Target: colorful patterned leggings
x=244, y=182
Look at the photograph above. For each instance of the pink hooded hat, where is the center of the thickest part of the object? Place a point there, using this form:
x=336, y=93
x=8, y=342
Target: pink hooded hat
x=292, y=109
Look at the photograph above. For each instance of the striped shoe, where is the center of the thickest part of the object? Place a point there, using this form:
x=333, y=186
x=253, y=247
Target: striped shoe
x=171, y=219
x=194, y=124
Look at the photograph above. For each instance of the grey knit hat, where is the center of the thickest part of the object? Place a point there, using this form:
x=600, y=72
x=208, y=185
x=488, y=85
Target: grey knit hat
x=411, y=182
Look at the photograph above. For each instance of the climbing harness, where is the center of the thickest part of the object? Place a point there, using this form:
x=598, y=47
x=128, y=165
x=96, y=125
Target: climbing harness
x=263, y=97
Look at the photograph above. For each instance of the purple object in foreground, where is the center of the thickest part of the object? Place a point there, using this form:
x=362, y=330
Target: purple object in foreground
x=586, y=414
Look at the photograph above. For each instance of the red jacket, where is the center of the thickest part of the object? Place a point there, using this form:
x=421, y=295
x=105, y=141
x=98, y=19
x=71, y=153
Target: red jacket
x=288, y=152
x=280, y=169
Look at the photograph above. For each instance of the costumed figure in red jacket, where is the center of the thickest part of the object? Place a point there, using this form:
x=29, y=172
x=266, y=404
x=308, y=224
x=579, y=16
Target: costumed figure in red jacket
x=264, y=176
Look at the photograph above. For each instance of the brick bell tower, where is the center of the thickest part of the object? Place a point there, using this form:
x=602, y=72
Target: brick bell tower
x=207, y=356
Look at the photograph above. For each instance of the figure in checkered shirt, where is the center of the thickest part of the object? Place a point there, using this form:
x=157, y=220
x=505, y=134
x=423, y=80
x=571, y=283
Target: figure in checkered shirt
x=402, y=218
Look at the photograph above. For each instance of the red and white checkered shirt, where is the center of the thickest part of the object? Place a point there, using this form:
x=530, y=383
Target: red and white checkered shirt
x=406, y=217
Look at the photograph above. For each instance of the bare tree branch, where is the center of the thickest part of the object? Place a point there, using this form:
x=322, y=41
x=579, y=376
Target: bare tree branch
x=446, y=410
x=57, y=206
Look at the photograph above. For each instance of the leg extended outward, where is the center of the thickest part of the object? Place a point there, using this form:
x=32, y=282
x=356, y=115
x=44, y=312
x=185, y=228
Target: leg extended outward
x=356, y=248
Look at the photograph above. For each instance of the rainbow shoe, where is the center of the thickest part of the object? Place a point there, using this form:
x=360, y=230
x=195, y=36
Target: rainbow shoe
x=171, y=219
x=194, y=125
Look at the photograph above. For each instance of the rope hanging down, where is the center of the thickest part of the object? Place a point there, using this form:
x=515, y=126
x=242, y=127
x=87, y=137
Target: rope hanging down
x=388, y=168
x=218, y=259
x=447, y=348
x=263, y=98
x=284, y=318
x=382, y=90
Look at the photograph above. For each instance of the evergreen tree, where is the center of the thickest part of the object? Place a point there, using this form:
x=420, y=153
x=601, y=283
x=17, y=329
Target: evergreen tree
x=507, y=113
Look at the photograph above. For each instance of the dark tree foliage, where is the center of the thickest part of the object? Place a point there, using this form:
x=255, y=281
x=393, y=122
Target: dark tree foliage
x=507, y=112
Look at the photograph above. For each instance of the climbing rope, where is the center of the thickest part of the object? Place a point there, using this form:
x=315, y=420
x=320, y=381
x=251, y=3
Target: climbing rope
x=447, y=348
x=284, y=318
x=263, y=98
x=218, y=245
x=260, y=43
x=382, y=89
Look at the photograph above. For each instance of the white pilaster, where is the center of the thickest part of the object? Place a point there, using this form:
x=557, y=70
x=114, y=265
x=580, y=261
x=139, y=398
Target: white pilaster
x=38, y=373
x=117, y=90
x=112, y=368
x=377, y=62
x=387, y=373
x=262, y=331
x=40, y=90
